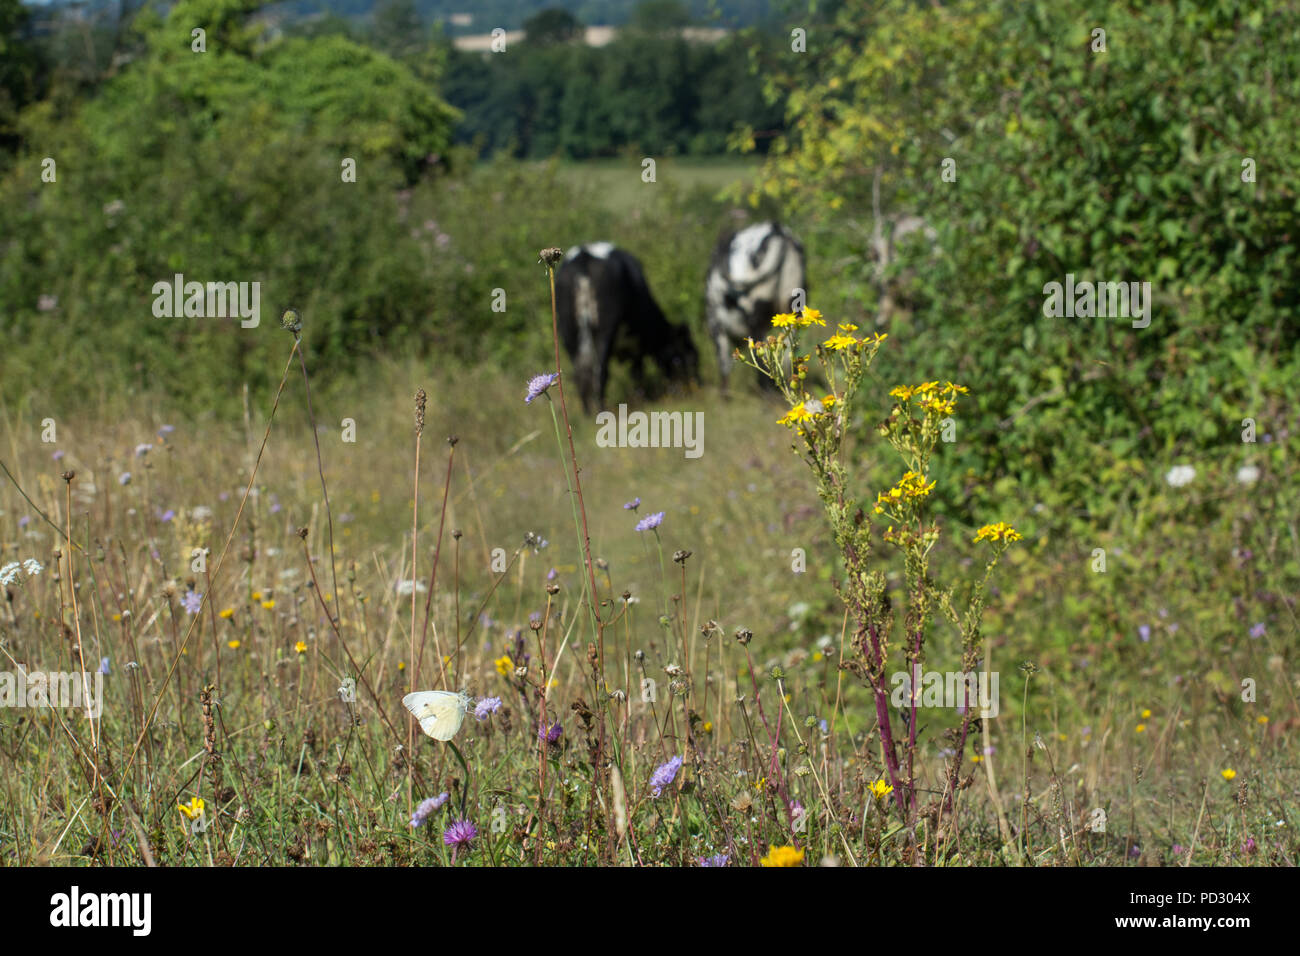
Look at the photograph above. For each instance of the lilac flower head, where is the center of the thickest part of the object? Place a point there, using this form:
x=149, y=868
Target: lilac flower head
x=1258, y=630
x=426, y=808
x=650, y=522
x=550, y=735
x=1178, y=849
x=167, y=515
x=488, y=705
x=459, y=833
x=1144, y=632
x=192, y=601
x=23, y=521
x=124, y=478
x=632, y=505
x=58, y=455
x=664, y=774
x=720, y=859
x=103, y=666
x=551, y=574
x=166, y=429
x=142, y=450
x=538, y=384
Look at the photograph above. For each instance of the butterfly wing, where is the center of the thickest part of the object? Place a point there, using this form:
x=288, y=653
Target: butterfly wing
x=440, y=712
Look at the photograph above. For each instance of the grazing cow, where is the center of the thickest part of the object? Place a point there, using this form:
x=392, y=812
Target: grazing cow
x=753, y=277
x=605, y=310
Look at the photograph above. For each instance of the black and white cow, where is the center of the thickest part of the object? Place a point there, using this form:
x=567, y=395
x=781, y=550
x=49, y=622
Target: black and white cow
x=604, y=310
x=754, y=275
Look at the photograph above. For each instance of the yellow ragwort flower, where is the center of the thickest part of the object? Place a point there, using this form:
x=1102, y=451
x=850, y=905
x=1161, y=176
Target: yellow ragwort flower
x=504, y=665
x=227, y=614
x=784, y=320
x=192, y=809
x=233, y=645
x=301, y=647
x=840, y=342
x=809, y=317
x=1229, y=774
x=901, y=392
x=268, y=604
x=998, y=532
x=782, y=856
x=881, y=789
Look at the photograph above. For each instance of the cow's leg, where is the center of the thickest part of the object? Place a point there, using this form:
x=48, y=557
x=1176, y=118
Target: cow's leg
x=725, y=359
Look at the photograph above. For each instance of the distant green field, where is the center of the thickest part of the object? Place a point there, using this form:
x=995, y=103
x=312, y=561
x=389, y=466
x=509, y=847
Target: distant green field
x=619, y=180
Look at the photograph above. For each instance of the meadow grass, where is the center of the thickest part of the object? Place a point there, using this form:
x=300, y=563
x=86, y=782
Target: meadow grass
x=1120, y=692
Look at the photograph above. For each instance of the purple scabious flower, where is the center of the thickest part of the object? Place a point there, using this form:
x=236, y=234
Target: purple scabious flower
x=550, y=735
x=538, y=384
x=552, y=574
x=426, y=808
x=103, y=666
x=459, y=833
x=664, y=774
x=1144, y=632
x=650, y=522
x=166, y=429
x=124, y=478
x=488, y=705
x=720, y=859
x=1258, y=630
x=142, y=450
x=58, y=455
x=632, y=505
x=192, y=601
x=167, y=515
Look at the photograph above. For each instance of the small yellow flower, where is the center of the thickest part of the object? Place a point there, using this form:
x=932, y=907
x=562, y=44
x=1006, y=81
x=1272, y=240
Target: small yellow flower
x=901, y=392
x=233, y=645
x=708, y=726
x=848, y=327
x=257, y=595
x=840, y=342
x=301, y=647
x=1261, y=719
x=401, y=665
x=504, y=665
x=976, y=759
x=268, y=604
x=227, y=614
x=1146, y=714
x=192, y=809
x=782, y=856
x=881, y=789
x=1229, y=774
x=1141, y=728
x=998, y=532
x=784, y=320
x=117, y=617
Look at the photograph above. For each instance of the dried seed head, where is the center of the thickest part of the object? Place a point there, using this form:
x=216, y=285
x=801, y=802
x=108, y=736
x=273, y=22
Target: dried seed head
x=457, y=533
x=302, y=533
x=68, y=476
x=681, y=556
x=744, y=635
x=552, y=588
x=551, y=256
x=291, y=321
x=420, y=399
x=452, y=439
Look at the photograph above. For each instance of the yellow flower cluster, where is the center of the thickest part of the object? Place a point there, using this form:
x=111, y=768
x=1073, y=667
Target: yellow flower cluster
x=191, y=810
x=909, y=487
x=798, y=320
x=782, y=856
x=881, y=789
x=807, y=410
x=998, y=532
x=504, y=665
x=927, y=392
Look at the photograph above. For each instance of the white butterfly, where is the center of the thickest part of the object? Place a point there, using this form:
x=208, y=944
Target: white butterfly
x=440, y=712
